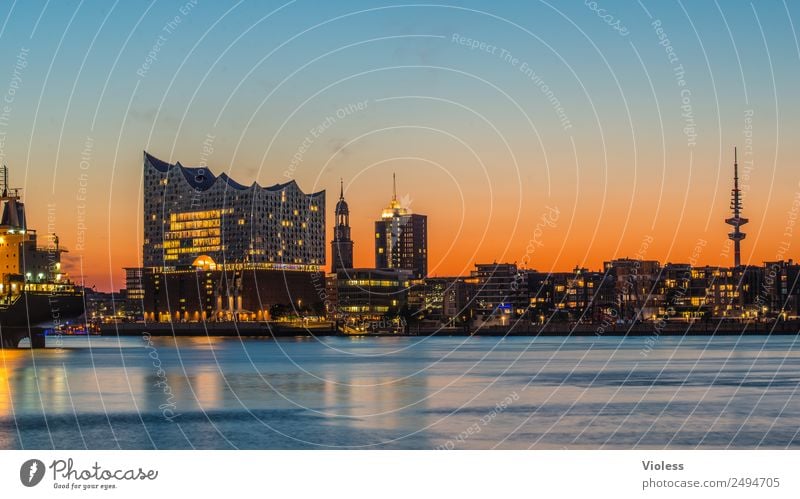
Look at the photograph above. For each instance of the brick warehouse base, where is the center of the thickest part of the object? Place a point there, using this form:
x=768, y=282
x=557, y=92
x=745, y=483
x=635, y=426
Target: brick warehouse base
x=248, y=294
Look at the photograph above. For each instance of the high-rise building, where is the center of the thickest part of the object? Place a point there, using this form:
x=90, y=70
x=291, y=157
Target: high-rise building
x=190, y=212
x=401, y=239
x=342, y=245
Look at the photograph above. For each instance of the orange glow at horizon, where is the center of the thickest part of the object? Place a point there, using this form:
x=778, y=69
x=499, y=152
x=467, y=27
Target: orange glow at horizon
x=596, y=213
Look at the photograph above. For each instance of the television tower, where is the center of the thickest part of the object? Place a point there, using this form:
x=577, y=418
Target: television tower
x=736, y=220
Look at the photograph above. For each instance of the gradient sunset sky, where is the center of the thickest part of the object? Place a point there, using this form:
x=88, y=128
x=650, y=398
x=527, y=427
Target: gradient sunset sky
x=622, y=116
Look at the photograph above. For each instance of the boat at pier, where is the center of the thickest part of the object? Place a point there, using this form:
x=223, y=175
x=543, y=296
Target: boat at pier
x=35, y=294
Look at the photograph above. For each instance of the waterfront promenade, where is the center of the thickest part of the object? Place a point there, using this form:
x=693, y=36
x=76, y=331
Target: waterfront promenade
x=328, y=328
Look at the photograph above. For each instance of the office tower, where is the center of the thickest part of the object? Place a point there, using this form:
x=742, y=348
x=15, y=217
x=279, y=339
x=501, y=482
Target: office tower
x=401, y=239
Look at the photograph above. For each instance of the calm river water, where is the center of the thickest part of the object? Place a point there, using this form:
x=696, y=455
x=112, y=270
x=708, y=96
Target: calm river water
x=418, y=393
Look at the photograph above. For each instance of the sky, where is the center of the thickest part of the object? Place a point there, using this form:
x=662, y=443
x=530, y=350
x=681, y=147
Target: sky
x=550, y=134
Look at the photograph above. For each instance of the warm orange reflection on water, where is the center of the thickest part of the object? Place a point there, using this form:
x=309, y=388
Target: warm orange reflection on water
x=9, y=361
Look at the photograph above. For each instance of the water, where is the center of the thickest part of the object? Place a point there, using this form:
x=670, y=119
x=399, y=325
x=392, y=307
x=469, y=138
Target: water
x=418, y=393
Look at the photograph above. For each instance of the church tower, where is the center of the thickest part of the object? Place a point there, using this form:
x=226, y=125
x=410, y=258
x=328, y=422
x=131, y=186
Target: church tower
x=342, y=245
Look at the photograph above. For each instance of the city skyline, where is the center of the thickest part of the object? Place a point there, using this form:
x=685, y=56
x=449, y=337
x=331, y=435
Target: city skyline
x=341, y=216
x=368, y=259
x=376, y=225
x=219, y=251
x=631, y=144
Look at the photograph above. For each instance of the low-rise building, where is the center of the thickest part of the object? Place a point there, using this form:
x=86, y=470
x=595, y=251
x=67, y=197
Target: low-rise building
x=497, y=293
x=371, y=298
x=206, y=291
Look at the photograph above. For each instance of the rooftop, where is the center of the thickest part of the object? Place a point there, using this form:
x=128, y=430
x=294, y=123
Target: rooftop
x=202, y=179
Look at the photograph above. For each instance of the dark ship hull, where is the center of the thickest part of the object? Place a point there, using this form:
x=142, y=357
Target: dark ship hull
x=31, y=312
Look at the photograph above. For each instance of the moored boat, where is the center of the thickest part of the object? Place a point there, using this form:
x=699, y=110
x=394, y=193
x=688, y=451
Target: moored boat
x=35, y=294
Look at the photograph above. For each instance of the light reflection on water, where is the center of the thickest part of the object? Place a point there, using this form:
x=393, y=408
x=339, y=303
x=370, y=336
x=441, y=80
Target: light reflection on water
x=402, y=393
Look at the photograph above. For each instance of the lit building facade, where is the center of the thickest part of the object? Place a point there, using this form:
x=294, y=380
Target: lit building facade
x=636, y=287
x=369, y=295
x=24, y=265
x=401, y=240
x=217, y=250
x=581, y=295
x=498, y=293
x=134, y=292
x=439, y=300
x=779, y=294
x=208, y=292
x=189, y=212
